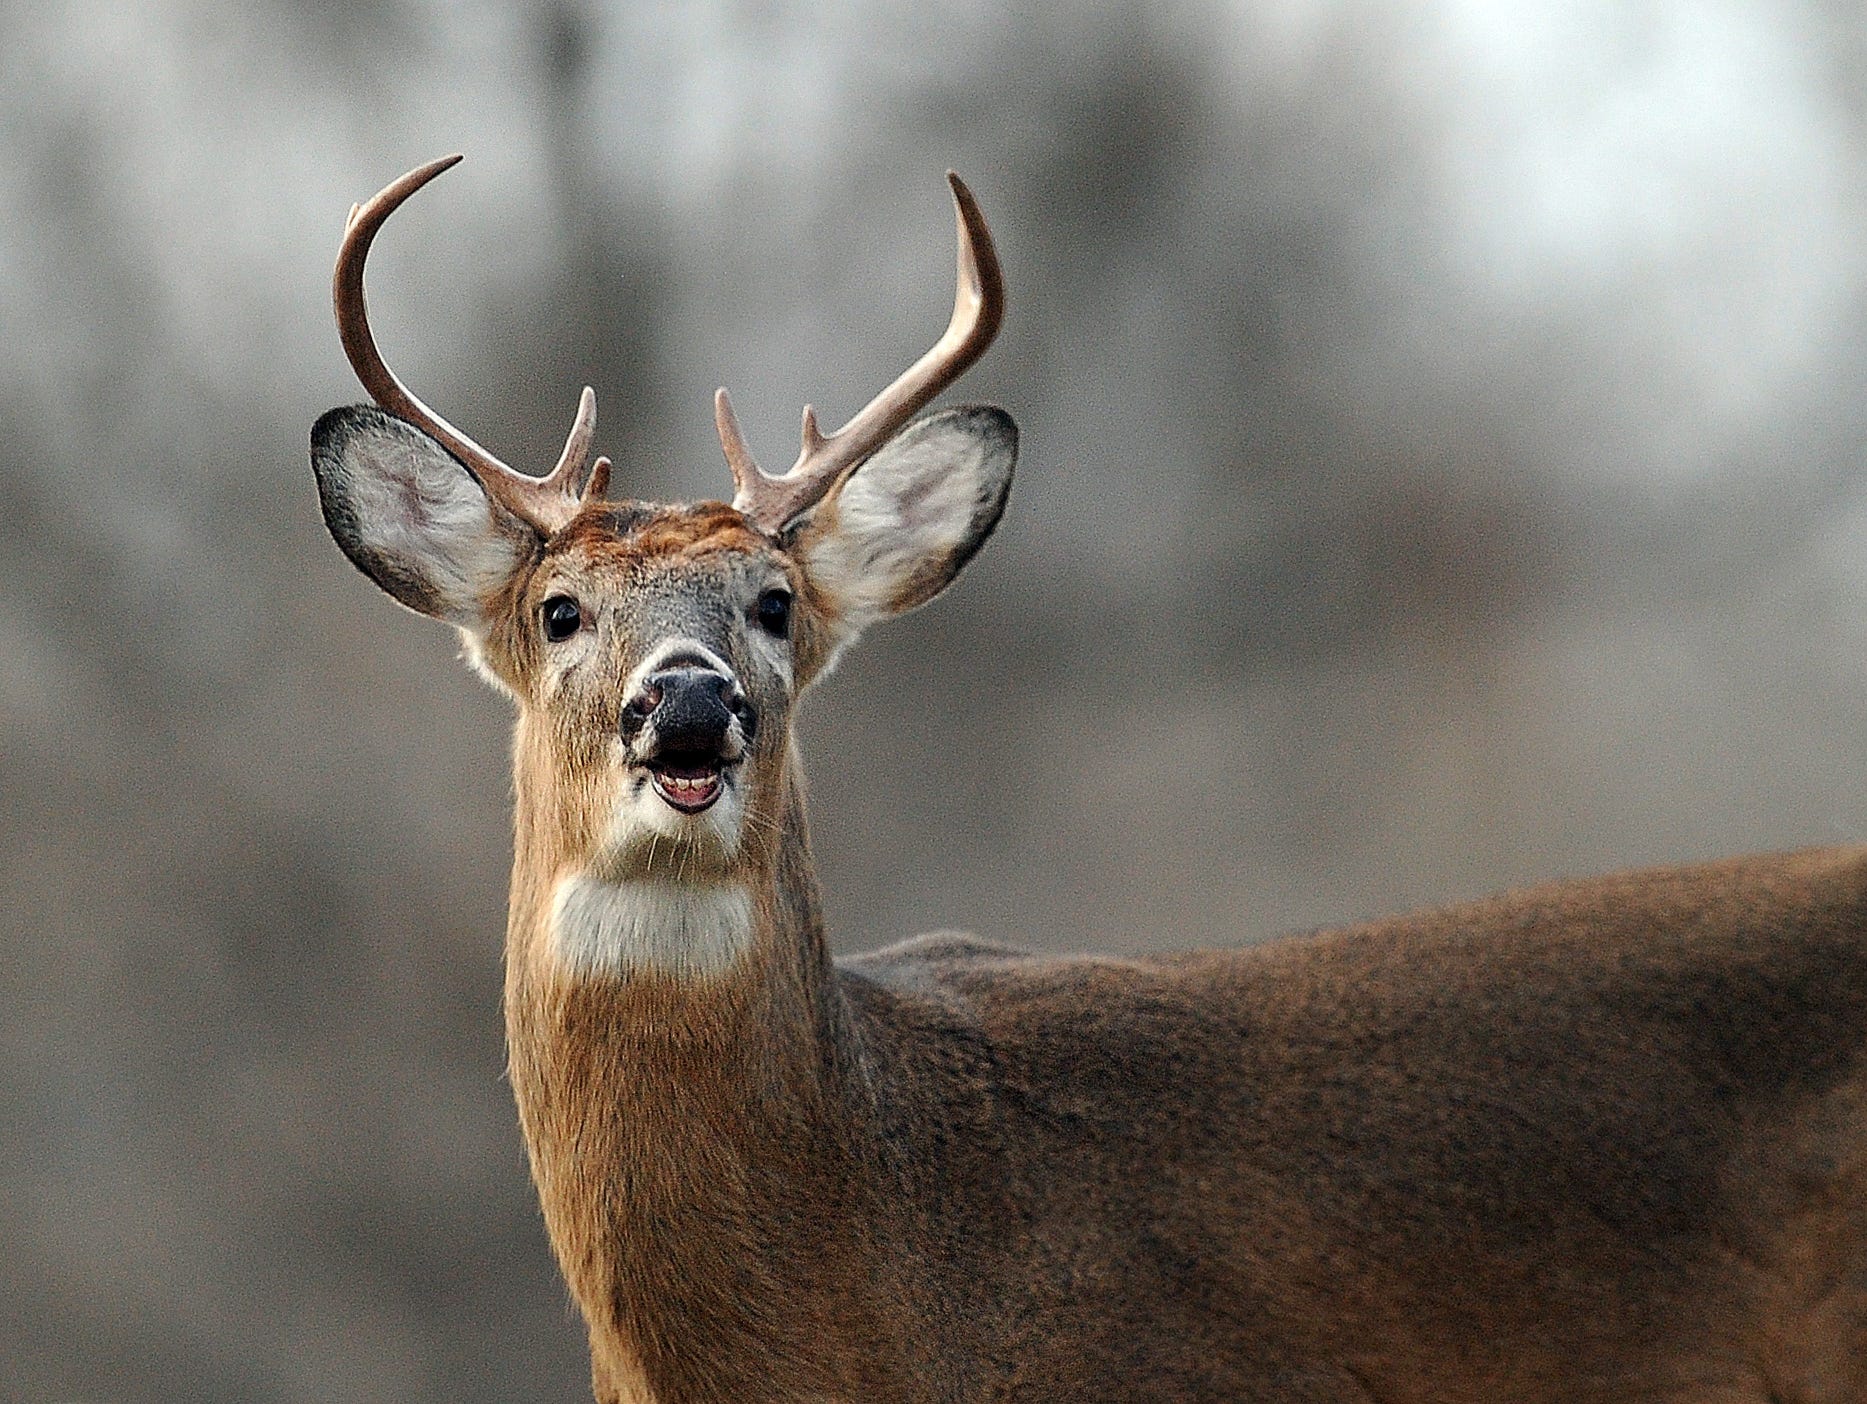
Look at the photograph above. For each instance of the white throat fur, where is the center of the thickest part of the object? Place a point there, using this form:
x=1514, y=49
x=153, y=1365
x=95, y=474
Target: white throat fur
x=643, y=926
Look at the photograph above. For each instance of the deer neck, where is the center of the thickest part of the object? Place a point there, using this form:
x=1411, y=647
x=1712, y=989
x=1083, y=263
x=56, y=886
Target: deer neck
x=692, y=1119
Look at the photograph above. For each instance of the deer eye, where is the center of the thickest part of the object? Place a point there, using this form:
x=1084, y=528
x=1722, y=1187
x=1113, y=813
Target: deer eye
x=562, y=618
x=774, y=612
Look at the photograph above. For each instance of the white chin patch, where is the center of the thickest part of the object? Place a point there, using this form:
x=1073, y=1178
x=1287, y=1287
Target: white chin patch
x=650, y=926
x=652, y=835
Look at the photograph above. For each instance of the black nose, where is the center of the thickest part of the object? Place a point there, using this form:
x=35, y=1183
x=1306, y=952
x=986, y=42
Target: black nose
x=690, y=709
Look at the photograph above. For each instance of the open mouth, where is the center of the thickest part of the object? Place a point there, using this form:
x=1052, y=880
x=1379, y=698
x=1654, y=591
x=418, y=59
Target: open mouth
x=689, y=785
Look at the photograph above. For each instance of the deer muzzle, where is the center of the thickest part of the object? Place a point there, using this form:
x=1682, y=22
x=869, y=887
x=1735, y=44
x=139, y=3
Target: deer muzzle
x=686, y=725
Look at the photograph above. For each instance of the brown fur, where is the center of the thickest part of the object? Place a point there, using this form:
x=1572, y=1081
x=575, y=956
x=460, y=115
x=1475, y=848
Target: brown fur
x=1597, y=1141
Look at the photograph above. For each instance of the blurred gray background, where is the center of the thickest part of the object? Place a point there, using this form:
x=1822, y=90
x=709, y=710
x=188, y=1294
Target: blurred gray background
x=1443, y=469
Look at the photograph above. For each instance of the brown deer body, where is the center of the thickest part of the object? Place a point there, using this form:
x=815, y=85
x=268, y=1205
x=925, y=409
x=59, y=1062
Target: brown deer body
x=1597, y=1141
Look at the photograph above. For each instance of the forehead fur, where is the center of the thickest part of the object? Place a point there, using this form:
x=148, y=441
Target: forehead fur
x=623, y=533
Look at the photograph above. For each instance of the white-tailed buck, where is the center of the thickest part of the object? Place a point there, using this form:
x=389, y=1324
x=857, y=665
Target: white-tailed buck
x=1600, y=1141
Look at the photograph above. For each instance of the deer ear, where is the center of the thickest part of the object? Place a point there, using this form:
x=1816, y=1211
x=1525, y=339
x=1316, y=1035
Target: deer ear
x=411, y=517
x=904, y=523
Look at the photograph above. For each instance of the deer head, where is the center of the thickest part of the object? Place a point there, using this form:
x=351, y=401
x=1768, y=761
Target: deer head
x=655, y=652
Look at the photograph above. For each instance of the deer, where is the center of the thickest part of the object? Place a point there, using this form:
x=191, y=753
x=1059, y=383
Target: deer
x=1598, y=1140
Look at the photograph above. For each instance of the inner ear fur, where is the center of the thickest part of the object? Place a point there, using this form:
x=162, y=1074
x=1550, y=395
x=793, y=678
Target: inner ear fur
x=905, y=522
x=411, y=517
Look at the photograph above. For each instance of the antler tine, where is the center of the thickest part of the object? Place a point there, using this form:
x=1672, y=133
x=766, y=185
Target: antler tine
x=546, y=503
x=568, y=476
x=978, y=311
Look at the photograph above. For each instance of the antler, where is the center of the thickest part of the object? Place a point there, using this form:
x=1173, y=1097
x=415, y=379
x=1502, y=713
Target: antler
x=978, y=309
x=548, y=502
